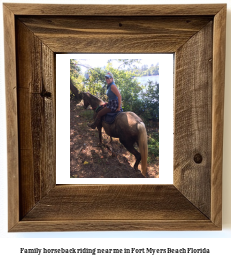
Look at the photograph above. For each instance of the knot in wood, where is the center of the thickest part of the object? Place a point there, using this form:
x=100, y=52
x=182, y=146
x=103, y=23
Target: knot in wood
x=45, y=94
x=198, y=158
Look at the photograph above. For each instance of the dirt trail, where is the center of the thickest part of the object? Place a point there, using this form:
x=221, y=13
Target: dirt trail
x=89, y=160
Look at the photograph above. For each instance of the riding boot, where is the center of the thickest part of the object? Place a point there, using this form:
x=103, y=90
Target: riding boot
x=95, y=123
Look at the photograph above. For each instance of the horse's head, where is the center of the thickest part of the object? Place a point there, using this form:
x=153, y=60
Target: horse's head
x=89, y=99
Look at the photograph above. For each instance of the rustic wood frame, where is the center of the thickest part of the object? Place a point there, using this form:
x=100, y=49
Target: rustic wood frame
x=33, y=34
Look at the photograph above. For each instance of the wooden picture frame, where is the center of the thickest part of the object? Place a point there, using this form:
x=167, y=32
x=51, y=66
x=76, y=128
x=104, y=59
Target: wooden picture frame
x=33, y=34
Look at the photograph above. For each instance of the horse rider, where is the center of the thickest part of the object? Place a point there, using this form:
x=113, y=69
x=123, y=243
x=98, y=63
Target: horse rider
x=114, y=103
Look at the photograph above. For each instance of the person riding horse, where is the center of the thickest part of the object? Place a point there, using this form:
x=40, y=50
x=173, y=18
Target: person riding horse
x=114, y=103
x=127, y=126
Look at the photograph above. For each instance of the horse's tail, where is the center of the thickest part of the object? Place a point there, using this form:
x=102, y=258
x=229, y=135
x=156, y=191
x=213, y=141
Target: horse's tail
x=143, y=146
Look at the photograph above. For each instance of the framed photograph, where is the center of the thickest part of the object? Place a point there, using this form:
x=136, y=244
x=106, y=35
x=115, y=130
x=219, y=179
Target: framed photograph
x=80, y=154
x=34, y=36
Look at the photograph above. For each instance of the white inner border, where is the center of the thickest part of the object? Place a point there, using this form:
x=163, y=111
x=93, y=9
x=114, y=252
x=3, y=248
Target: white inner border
x=165, y=119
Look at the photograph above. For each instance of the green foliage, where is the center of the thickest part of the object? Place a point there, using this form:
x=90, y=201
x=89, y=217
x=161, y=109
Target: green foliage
x=153, y=147
x=128, y=87
x=94, y=82
x=75, y=72
x=87, y=114
x=150, y=100
x=76, y=76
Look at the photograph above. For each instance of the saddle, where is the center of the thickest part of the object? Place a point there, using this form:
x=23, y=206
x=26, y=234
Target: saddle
x=110, y=117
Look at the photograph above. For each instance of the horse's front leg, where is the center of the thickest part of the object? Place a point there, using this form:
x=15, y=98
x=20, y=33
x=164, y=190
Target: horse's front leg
x=100, y=134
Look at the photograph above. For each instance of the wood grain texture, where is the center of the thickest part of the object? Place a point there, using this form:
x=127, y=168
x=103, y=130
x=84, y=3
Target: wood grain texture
x=35, y=66
x=114, y=10
x=11, y=116
x=111, y=207
x=193, y=113
x=218, y=114
x=194, y=201
x=162, y=34
x=113, y=202
x=114, y=225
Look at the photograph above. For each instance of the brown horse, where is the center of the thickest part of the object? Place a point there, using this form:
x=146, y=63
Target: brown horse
x=128, y=127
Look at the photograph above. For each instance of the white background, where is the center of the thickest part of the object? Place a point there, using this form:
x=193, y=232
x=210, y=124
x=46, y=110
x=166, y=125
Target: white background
x=218, y=242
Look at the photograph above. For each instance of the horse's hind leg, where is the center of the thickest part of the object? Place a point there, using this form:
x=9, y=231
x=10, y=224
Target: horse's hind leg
x=129, y=146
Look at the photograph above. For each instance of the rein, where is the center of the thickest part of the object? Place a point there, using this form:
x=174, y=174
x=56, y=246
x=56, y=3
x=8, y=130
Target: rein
x=96, y=108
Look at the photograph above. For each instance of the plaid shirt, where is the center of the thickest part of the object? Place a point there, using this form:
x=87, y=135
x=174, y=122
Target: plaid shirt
x=113, y=105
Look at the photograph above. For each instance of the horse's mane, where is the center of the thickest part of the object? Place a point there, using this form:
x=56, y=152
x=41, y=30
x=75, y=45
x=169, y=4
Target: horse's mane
x=93, y=97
